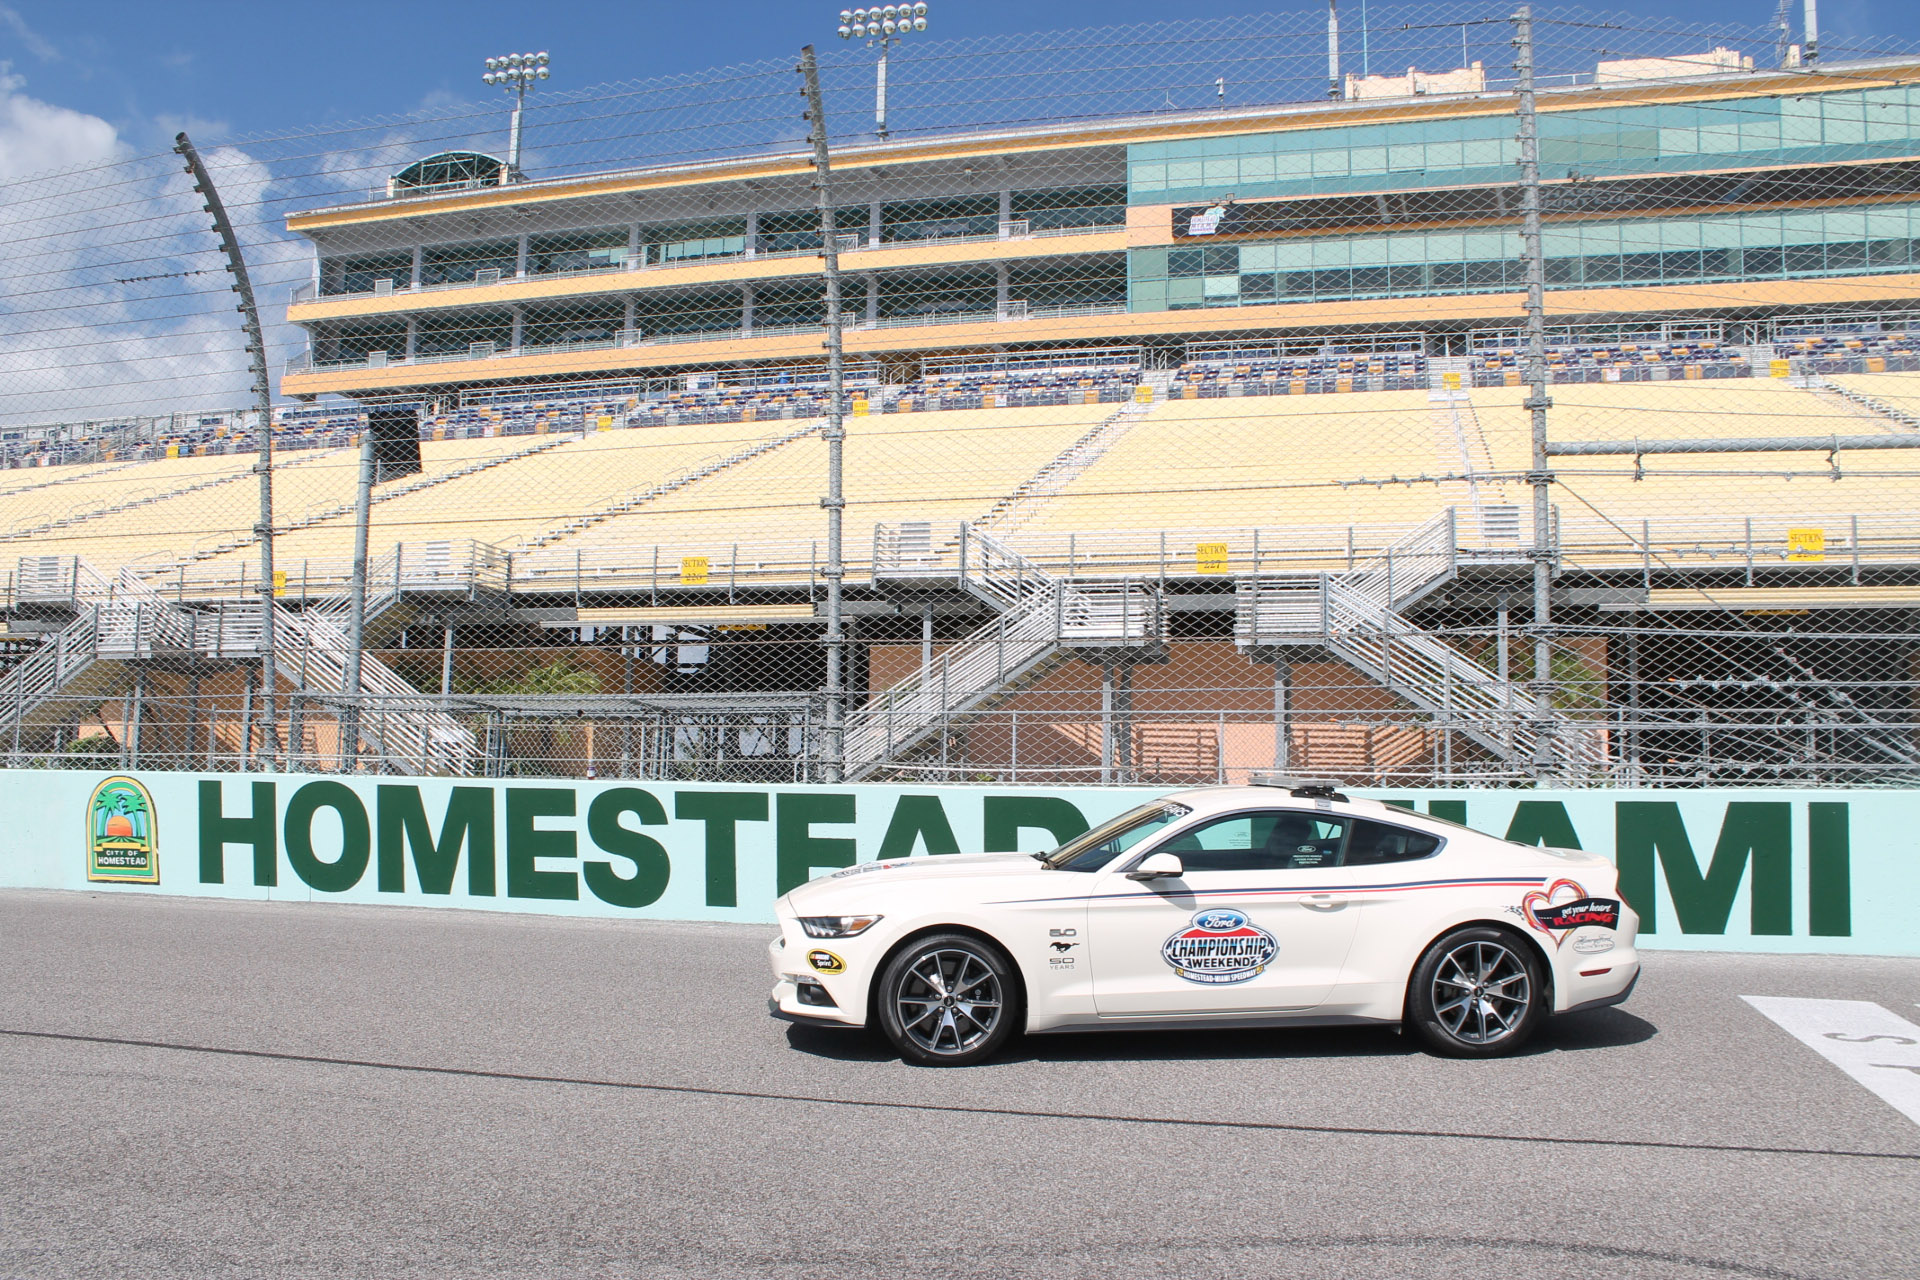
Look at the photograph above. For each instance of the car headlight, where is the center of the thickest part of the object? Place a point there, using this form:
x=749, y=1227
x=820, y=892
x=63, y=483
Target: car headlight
x=837, y=926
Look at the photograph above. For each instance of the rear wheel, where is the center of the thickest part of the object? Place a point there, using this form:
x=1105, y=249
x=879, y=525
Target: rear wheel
x=1479, y=992
x=949, y=1000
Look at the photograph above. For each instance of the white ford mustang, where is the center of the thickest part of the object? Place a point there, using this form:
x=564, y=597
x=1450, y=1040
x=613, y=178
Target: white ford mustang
x=1268, y=905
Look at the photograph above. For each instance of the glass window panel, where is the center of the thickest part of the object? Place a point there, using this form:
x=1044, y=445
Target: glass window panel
x=1806, y=259
x=1183, y=292
x=1680, y=235
x=1369, y=280
x=1265, y=257
x=1848, y=256
x=1332, y=282
x=1413, y=248
x=1222, y=286
x=1600, y=268
x=1764, y=261
x=1483, y=272
x=1481, y=153
x=1407, y=158
x=1225, y=169
x=1445, y=246
x=1719, y=232
x=1843, y=225
x=1221, y=259
x=1760, y=134
x=1449, y=275
x=1149, y=177
x=1445, y=155
x=1800, y=122
x=1842, y=120
x=1257, y=288
x=1331, y=163
x=1183, y=173
x=1370, y=252
x=1183, y=263
x=1720, y=135
x=1331, y=253
x=1257, y=168
x=1680, y=264
x=1640, y=267
x=1367, y=159
x=1406, y=279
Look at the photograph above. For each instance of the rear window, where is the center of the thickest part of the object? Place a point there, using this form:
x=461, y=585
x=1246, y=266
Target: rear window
x=1370, y=843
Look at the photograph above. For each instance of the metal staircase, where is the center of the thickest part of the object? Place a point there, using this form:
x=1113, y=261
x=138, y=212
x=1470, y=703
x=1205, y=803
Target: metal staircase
x=1040, y=618
x=123, y=620
x=1359, y=617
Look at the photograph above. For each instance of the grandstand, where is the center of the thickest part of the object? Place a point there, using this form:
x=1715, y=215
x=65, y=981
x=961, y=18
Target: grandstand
x=1203, y=448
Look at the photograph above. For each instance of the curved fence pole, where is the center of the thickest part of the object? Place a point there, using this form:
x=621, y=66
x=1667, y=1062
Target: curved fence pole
x=263, y=395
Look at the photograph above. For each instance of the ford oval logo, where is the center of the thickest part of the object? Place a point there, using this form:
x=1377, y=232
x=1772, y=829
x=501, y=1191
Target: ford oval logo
x=1219, y=921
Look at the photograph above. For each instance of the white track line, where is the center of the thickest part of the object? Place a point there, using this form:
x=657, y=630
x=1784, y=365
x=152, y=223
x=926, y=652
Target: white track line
x=1879, y=1049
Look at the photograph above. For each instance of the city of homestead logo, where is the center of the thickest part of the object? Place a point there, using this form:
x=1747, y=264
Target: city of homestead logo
x=121, y=834
x=1220, y=945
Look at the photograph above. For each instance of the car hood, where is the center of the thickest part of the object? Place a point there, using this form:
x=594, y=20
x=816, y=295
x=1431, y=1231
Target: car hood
x=862, y=881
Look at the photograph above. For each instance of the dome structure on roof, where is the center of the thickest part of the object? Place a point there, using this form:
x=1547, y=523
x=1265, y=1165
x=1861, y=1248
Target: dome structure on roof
x=448, y=171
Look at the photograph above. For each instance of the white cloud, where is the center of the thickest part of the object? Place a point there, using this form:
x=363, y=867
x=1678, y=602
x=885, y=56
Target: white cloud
x=36, y=136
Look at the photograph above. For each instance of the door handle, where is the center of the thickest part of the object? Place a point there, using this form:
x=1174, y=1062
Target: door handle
x=1325, y=900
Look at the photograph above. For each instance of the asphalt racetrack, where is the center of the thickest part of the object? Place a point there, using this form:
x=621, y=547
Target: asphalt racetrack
x=194, y=1088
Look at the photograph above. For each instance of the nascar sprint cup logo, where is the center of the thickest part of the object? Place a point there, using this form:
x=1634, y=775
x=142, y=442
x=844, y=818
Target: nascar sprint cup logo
x=1220, y=946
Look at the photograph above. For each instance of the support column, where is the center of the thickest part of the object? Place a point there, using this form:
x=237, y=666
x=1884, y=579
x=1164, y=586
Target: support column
x=418, y=254
x=1282, y=715
x=874, y=223
x=1006, y=212
x=926, y=641
x=138, y=714
x=520, y=257
x=1123, y=722
x=634, y=247
x=519, y=332
x=873, y=300
x=413, y=336
x=446, y=661
x=746, y=308
x=1106, y=725
x=753, y=232
x=1001, y=275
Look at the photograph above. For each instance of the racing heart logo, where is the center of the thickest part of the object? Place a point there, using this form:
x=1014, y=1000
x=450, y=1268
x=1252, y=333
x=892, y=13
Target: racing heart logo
x=1557, y=894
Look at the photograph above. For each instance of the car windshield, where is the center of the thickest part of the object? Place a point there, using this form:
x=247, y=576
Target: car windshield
x=1113, y=837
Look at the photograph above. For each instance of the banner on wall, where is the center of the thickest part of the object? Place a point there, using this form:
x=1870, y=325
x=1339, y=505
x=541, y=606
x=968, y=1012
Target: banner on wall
x=1742, y=870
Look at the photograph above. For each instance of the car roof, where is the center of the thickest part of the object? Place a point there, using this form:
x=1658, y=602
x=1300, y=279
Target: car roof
x=1222, y=799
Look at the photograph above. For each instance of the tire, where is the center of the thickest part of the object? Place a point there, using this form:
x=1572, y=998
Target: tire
x=1479, y=992
x=949, y=1000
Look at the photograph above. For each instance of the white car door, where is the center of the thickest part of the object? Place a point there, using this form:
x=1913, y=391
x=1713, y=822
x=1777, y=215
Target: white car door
x=1254, y=924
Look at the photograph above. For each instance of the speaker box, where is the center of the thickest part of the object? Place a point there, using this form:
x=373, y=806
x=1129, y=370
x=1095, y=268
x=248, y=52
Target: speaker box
x=396, y=439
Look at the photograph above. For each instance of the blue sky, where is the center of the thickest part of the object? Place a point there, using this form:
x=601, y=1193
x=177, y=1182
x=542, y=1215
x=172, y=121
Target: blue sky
x=223, y=66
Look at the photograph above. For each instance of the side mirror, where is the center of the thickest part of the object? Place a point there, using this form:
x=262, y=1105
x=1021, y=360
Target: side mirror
x=1157, y=865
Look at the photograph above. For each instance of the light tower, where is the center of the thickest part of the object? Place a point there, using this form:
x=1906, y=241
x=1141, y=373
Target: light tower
x=883, y=26
x=514, y=72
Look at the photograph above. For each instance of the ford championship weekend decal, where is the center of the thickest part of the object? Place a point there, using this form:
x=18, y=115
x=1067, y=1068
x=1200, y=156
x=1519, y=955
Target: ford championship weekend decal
x=1220, y=946
x=1565, y=907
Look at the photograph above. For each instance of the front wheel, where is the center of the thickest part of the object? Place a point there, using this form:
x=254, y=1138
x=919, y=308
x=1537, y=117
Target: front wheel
x=1478, y=992
x=949, y=1000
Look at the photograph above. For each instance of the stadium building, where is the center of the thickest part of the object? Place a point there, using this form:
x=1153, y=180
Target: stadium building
x=1178, y=445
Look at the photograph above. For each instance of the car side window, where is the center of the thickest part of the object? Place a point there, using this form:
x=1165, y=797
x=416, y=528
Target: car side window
x=1272, y=840
x=1372, y=843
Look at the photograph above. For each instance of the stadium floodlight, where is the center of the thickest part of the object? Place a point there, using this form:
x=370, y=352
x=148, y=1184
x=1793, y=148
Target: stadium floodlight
x=883, y=26
x=514, y=72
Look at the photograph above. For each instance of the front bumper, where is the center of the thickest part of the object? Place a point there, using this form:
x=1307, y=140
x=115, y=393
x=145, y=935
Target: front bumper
x=813, y=999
